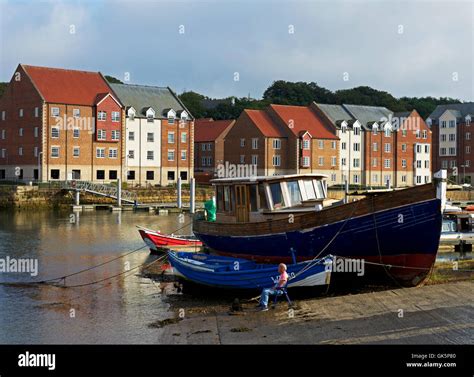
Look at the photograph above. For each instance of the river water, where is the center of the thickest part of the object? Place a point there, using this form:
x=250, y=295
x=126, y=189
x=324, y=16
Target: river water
x=116, y=311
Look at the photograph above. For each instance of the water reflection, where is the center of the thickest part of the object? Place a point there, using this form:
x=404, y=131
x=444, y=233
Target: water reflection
x=116, y=311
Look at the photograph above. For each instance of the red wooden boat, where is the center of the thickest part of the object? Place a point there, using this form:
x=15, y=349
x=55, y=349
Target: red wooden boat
x=158, y=241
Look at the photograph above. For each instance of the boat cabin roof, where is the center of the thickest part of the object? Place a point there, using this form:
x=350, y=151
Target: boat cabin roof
x=256, y=179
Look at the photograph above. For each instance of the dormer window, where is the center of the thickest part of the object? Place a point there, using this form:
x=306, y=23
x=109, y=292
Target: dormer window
x=468, y=120
x=356, y=130
x=171, y=116
x=387, y=131
x=150, y=115
x=344, y=128
x=184, y=115
x=131, y=113
x=375, y=129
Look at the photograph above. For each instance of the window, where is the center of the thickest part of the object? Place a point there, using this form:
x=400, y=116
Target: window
x=21, y=113
x=333, y=161
x=404, y=178
x=4, y=114
x=184, y=137
x=36, y=112
x=343, y=161
x=468, y=136
x=35, y=151
x=309, y=188
x=374, y=162
x=343, y=145
x=254, y=159
x=404, y=163
x=444, y=164
x=452, y=137
x=203, y=161
x=404, y=132
x=75, y=152
x=101, y=134
x=387, y=163
x=55, y=132
x=171, y=119
x=209, y=146
x=356, y=147
x=418, y=164
x=320, y=161
x=113, y=153
x=150, y=175
x=443, y=152
x=320, y=144
x=443, y=137
x=131, y=154
x=443, y=124
x=209, y=161
x=427, y=149
x=374, y=130
x=427, y=164
x=425, y=134
x=375, y=178
x=387, y=179
x=203, y=147
x=356, y=178
x=276, y=160
x=150, y=155
x=344, y=129
x=131, y=175
x=254, y=143
x=242, y=142
x=20, y=131
x=375, y=147
x=356, y=130
x=171, y=155
x=20, y=151
x=183, y=155
x=387, y=147
x=150, y=137
x=452, y=124
x=112, y=174
x=76, y=113
x=4, y=134
x=294, y=191
x=306, y=144
x=170, y=175
x=452, y=151
x=333, y=145
x=253, y=192
x=356, y=163
x=404, y=147
x=183, y=175
x=417, y=134
x=2, y=173
x=242, y=159
x=468, y=149
x=131, y=136
x=54, y=152
x=115, y=135
x=276, y=144
x=100, y=174
x=54, y=174
x=418, y=179
x=100, y=152
x=170, y=137
x=468, y=121
x=115, y=116
x=4, y=153
x=387, y=132
x=277, y=196
x=306, y=161
x=102, y=115
x=75, y=133
x=468, y=163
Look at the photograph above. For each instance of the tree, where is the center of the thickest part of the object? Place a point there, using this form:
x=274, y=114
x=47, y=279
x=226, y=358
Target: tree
x=193, y=102
x=113, y=80
x=297, y=93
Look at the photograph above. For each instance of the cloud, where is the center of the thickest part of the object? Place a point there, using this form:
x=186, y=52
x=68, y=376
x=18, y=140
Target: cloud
x=361, y=38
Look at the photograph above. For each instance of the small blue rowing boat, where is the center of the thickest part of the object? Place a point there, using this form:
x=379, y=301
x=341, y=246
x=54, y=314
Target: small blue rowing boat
x=235, y=273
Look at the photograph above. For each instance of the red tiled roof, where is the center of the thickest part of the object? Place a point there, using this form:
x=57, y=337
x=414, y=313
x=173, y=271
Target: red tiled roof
x=209, y=130
x=303, y=119
x=264, y=123
x=67, y=86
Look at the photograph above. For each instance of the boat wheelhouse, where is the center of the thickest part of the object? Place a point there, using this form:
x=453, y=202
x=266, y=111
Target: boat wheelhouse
x=254, y=199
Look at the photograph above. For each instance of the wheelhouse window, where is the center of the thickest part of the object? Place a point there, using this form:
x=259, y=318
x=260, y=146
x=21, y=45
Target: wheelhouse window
x=262, y=197
x=318, y=185
x=310, y=191
x=294, y=192
x=253, y=198
x=277, y=195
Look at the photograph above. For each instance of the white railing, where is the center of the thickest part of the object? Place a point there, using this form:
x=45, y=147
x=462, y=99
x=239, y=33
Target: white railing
x=99, y=189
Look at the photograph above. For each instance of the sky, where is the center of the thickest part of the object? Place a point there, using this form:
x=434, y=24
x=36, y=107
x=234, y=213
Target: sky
x=238, y=48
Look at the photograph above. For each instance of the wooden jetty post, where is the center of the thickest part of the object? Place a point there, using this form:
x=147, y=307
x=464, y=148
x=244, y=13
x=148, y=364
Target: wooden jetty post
x=77, y=195
x=179, y=193
x=119, y=192
x=192, y=196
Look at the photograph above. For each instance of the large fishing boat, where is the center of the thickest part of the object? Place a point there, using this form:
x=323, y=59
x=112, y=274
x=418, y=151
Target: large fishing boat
x=269, y=219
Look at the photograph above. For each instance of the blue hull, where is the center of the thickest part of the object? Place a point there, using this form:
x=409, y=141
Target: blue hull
x=234, y=273
x=408, y=235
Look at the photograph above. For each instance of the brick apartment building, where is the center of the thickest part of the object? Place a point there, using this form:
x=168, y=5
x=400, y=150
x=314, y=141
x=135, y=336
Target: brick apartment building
x=453, y=140
x=159, y=137
x=59, y=124
x=283, y=140
x=379, y=146
x=209, y=138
